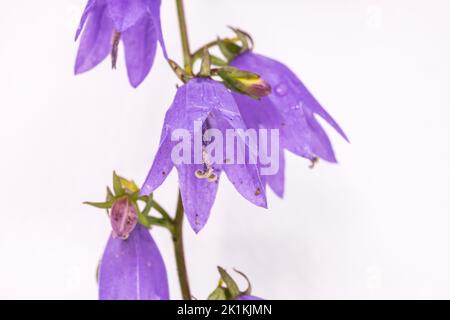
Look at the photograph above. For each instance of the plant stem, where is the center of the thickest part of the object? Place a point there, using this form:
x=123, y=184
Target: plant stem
x=184, y=37
x=177, y=237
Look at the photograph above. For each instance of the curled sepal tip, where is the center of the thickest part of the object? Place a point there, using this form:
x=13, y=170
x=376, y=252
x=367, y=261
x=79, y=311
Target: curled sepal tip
x=229, y=290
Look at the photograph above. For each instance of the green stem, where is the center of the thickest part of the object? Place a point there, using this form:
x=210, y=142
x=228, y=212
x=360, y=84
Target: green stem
x=184, y=37
x=177, y=237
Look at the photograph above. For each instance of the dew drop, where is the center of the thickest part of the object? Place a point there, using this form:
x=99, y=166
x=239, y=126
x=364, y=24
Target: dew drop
x=281, y=89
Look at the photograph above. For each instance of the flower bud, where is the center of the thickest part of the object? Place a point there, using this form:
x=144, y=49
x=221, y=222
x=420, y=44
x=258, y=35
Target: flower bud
x=245, y=82
x=124, y=217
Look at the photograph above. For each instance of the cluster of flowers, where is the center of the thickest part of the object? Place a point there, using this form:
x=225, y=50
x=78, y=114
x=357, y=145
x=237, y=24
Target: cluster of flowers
x=255, y=92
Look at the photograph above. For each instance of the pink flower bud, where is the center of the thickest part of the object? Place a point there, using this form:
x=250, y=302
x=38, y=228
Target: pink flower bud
x=124, y=217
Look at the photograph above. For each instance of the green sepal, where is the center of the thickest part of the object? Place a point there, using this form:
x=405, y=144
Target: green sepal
x=179, y=71
x=117, y=185
x=248, y=291
x=205, y=69
x=109, y=194
x=228, y=48
x=100, y=205
x=232, y=287
x=218, y=294
x=244, y=38
x=215, y=60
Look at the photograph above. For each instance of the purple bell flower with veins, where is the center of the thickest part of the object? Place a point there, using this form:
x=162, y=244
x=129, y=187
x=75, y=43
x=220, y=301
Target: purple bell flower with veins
x=291, y=108
x=209, y=103
x=133, y=269
x=105, y=23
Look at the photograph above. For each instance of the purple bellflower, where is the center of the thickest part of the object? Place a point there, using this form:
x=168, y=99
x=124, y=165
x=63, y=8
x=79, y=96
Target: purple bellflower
x=105, y=22
x=133, y=269
x=291, y=108
x=211, y=105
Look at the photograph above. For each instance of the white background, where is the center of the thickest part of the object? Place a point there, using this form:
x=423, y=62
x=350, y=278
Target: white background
x=375, y=226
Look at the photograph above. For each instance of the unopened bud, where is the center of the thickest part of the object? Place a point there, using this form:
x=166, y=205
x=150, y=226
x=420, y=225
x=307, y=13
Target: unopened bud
x=124, y=217
x=248, y=83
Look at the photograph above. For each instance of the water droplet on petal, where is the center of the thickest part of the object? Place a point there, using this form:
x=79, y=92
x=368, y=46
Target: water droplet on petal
x=298, y=108
x=281, y=89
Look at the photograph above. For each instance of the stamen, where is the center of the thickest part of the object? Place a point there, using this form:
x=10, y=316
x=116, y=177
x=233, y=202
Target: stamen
x=314, y=162
x=208, y=173
x=115, y=48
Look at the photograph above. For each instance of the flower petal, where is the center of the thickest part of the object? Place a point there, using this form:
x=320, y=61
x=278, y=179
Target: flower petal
x=89, y=7
x=140, y=47
x=161, y=167
x=245, y=297
x=198, y=194
x=95, y=44
x=244, y=176
x=155, y=6
x=125, y=13
x=276, y=181
x=133, y=269
x=288, y=91
x=304, y=136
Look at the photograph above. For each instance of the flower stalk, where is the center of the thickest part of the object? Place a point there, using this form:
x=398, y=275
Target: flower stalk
x=177, y=237
x=177, y=233
x=184, y=37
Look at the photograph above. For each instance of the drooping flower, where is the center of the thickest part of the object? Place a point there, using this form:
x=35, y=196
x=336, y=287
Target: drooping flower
x=202, y=106
x=133, y=269
x=291, y=108
x=105, y=22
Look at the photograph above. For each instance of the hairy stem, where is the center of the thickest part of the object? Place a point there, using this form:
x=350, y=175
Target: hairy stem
x=177, y=237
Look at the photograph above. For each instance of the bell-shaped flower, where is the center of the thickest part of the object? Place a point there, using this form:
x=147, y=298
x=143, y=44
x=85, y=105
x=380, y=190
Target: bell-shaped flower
x=105, y=23
x=203, y=135
x=291, y=108
x=133, y=269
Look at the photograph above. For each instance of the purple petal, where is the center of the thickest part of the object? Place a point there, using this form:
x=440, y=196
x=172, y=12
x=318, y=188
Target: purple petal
x=198, y=195
x=262, y=114
x=95, y=44
x=288, y=91
x=304, y=136
x=161, y=168
x=140, y=47
x=244, y=176
x=133, y=269
x=245, y=297
x=155, y=6
x=125, y=13
x=89, y=7
x=276, y=181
